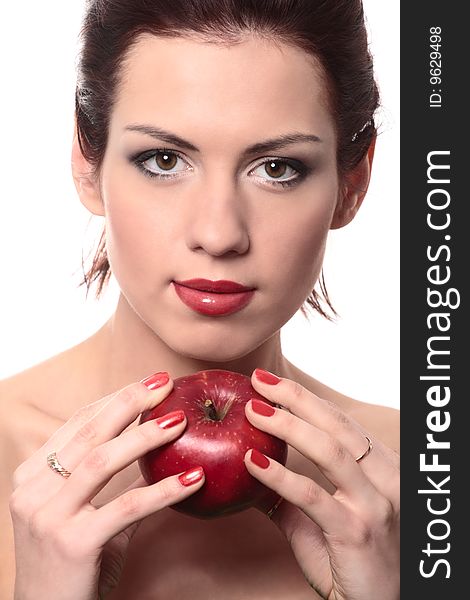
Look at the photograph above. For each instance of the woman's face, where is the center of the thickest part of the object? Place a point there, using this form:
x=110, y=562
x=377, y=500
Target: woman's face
x=221, y=165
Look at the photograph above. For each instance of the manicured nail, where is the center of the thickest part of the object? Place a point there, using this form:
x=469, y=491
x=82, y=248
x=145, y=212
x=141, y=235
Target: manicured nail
x=191, y=476
x=267, y=377
x=262, y=408
x=156, y=380
x=171, y=419
x=259, y=459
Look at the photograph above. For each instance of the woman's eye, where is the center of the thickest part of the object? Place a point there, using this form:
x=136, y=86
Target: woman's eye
x=162, y=163
x=277, y=171
x=165, y=164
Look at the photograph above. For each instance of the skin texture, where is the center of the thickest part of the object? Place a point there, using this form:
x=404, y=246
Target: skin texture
x=220, y=217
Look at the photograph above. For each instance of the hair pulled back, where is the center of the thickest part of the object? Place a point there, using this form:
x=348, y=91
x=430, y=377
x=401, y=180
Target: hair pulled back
x=332, y=31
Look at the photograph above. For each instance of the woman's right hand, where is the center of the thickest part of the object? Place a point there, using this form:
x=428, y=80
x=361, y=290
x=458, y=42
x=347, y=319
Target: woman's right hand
x=66, y=547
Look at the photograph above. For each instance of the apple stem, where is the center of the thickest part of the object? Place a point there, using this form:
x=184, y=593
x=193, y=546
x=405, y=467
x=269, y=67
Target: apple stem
x=211, y=411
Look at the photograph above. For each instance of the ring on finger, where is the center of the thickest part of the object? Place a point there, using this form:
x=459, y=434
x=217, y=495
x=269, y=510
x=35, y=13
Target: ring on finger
x=54, y=464
x=273, y=508
x=366, y=451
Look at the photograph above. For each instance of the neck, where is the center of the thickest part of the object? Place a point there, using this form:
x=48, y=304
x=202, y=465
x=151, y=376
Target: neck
x=130, y=351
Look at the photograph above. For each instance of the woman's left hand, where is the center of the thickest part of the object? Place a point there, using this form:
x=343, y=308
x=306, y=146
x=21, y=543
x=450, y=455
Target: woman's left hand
x=345, y=541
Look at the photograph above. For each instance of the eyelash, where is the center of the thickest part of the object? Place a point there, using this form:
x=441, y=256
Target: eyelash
x=301, y=169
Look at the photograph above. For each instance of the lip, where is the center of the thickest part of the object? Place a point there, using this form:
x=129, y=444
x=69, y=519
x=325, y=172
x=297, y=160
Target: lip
x=213, y=298
x=221, y=286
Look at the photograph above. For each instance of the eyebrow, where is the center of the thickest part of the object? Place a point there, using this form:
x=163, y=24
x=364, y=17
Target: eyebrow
x=264, y=146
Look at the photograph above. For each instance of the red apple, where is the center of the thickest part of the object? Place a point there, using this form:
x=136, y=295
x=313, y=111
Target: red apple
x=217, y=436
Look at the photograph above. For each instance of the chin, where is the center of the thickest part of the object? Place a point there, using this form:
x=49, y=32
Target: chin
x=214, y=347
x=214, y=353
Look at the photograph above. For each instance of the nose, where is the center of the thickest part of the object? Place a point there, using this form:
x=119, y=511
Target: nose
x=217, y=221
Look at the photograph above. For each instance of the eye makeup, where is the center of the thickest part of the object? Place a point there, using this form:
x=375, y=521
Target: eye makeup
x=299, y=171
x=141, y=158
x=285, y=172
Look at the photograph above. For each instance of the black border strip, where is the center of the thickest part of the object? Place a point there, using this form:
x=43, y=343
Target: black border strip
x=436, y=124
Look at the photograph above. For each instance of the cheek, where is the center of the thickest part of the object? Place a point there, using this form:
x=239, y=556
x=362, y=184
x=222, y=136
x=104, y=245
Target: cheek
x=135, y=238
x=296, y=257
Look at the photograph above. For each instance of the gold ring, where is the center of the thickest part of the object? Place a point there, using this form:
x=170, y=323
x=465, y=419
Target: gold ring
x=366, y=451
x=55, y=465
x=273, y=509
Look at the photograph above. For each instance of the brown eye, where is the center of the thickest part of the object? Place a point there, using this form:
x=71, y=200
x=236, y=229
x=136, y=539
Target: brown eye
x=279, y=172
x=166, y=160
x=275, y=168
x=164, y=164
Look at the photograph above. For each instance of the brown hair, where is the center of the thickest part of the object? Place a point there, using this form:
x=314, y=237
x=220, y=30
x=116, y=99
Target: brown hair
x=333, y=31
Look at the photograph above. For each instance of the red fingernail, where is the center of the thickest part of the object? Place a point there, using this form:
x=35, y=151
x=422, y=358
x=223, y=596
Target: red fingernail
x=156, y=380
x=267, y=377
x=170, y=420
x=262, y=408
x=259, y=459
x=191, y=476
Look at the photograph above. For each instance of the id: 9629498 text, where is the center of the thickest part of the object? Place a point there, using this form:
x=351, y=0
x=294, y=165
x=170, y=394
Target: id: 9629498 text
x=435, y=67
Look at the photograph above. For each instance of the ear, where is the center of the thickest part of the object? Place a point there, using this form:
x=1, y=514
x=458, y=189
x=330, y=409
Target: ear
x=86, y=183
x=354, y=190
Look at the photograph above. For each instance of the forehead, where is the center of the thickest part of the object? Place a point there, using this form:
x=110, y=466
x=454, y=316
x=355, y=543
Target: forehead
x=256, y=82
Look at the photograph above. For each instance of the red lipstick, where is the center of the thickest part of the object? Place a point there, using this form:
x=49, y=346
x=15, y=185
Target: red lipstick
x=213, y=298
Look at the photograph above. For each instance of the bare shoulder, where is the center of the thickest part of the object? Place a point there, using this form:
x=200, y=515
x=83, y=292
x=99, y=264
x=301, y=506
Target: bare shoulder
x=36, y=401
x=30, y=388
x=36, y=382
x=57, y=386
x=27, y=401
x=24, y=409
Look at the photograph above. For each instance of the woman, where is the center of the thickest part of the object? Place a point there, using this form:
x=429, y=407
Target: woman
x=221, y=141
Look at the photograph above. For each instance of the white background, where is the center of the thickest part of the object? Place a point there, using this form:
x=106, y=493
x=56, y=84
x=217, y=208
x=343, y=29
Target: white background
x=43, y=226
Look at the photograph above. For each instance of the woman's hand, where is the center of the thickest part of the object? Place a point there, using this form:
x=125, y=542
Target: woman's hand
x=346, y=542
x=66, y=546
